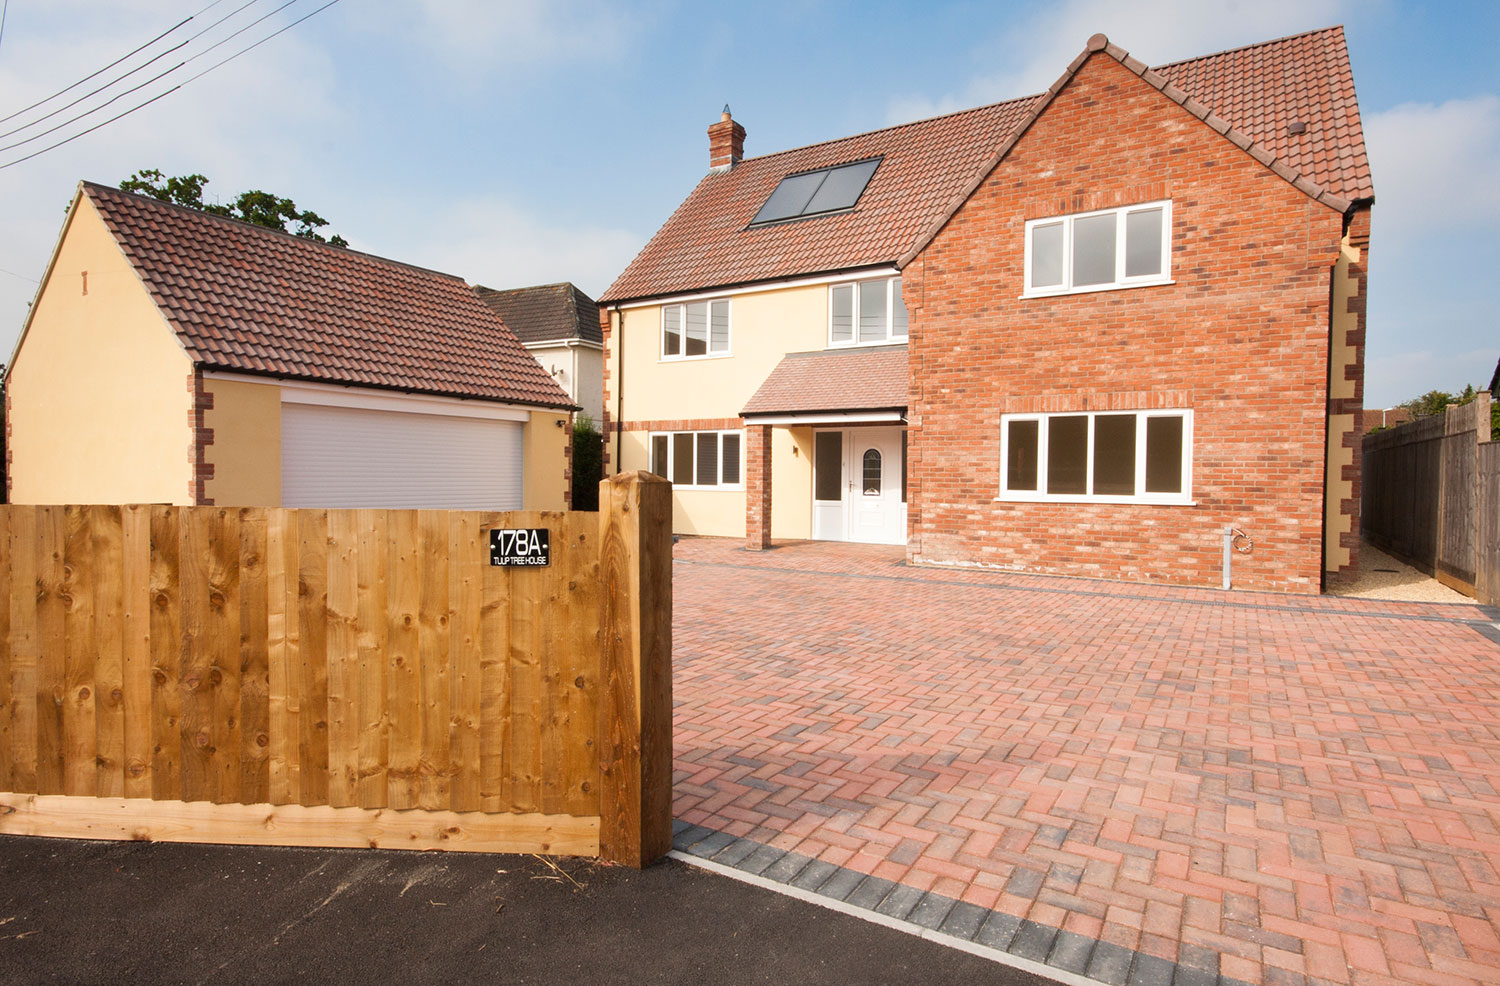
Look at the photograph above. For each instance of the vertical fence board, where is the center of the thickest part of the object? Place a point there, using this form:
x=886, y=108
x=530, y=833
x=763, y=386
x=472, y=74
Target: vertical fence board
x=7, y=705
x=312, y=622
x=343, y=659
x=374, y=735
x=224, y=655
x=580, y=675
x=403, y=695
x=52, y=646
x=433, y=676
x=283, y=660
x=467, y=557
x=135, y=657
x=24, y=650
x=254, y=648
x=80, y=742
x=527, y=639
x=494, y=678
x=166, y=655
x=107, y=540
x=7, y=648
x=196, y=721
x=1487, y=524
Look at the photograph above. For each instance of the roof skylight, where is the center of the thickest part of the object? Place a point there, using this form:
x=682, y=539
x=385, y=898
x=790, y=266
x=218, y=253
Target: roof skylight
x=814, y=192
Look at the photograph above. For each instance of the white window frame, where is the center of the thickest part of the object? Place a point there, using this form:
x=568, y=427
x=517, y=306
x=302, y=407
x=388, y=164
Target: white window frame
x=683, y=306
x=1040, y=494
x=672, y=456
x=1120, y=281
x=890, y=298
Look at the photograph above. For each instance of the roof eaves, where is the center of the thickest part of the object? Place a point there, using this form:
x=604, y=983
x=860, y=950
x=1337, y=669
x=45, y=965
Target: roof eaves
x=1099, y=43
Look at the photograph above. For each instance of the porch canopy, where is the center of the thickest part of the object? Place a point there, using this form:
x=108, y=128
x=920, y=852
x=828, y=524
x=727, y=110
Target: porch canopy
x=833, y=386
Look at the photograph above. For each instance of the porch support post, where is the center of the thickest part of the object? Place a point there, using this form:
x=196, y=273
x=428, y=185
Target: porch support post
x=757, y=487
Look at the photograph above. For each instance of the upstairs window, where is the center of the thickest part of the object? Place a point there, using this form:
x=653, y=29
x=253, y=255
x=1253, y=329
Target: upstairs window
x=813, y=193
x=698, y=328
x=1097, y=251
x=866, y=313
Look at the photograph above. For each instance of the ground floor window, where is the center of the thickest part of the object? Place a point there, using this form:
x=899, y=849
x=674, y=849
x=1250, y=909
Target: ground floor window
x=1103, y=456
x=710, y=460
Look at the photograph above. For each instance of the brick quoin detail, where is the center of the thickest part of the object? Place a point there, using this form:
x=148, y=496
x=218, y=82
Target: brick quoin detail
x=8, y=461
x=1359, y=238
x=1241, y=338
x=568, y=468
x=202, y=438
x=758, y=487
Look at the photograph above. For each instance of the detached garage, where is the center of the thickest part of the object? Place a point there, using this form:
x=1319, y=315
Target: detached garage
x=177, y=357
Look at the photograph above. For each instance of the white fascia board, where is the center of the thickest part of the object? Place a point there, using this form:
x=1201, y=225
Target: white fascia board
x=825, y=418
x=560, y=343
x=791, y=282
x=335, y=395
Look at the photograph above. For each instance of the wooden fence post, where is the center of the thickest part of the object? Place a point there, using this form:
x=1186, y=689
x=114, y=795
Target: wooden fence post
x=635, y=708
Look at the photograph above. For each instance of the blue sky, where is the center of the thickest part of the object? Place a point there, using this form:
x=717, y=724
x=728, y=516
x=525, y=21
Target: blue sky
x=524, y=141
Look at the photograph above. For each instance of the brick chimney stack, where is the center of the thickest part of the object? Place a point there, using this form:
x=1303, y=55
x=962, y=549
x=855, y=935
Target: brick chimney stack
x=726, y=143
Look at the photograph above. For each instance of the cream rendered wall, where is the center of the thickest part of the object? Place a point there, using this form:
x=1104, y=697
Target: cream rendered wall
x=100, y=390
x=791, y=481
x=246, y=450
x=1341, y=357
x=763, y=327
x=545, y=460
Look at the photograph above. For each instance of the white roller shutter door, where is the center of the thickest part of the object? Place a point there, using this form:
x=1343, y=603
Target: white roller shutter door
x=357, y=457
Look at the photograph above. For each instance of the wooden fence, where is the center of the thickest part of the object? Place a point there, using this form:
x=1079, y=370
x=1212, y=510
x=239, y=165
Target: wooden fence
x=1431, y=497
x=339, y=677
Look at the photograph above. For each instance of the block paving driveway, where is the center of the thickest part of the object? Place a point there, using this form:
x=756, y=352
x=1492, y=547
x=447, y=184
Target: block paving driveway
x=1277, y=789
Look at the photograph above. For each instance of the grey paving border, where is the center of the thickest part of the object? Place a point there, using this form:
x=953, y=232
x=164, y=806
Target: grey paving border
x=1066, y=951
x=1489, y=612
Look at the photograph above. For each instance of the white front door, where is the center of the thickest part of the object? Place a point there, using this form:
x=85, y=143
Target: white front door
x=857, y=485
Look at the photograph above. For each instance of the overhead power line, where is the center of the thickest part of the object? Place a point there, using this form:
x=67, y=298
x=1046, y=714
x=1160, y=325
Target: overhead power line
x=120, y=78
x=168, y=92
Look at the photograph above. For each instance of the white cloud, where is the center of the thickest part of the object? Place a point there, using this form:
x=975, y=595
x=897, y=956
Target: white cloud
x=1434, y=167
x=1028, y=57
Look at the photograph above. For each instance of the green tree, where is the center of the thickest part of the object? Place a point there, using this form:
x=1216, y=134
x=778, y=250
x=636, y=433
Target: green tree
x=588, y=463
x=254, y=206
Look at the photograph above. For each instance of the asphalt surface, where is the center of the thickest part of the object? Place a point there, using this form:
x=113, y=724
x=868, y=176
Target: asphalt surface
x=125, y=913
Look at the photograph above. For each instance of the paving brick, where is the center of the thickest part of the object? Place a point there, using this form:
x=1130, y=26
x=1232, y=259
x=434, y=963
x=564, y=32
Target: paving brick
x=1248, y=774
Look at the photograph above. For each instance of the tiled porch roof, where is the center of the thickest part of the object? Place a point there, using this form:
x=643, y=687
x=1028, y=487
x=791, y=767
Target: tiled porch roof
x=866, y=379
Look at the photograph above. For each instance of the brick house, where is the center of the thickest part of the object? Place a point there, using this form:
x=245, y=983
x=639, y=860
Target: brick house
x=1082, y=333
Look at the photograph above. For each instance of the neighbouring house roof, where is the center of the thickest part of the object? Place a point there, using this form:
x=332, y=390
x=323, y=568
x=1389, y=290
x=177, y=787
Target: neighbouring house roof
x=1495, y=381
x=834, y=380
x=545, y=313
x=1252, y=95
x=254, y=300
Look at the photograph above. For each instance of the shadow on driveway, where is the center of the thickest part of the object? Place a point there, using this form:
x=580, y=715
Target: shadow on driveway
x=98, y=912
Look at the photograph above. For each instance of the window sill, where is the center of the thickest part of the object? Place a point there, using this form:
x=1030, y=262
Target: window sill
x=1095, y=289
x=901, y=341
x=1141, y=501
x=693, y=359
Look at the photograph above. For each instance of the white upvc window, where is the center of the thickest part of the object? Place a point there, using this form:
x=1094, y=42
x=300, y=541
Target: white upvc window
x=866, y=313
x=1099, y=251
x=1098, y=457
x=695, y=330
x=699, y=460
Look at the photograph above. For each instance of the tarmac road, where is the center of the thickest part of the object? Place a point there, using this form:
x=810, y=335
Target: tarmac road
x=127, y=913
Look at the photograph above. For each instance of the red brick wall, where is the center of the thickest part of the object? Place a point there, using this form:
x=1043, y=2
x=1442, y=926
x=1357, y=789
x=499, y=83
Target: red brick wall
x=1241, y=338
x=758, y=487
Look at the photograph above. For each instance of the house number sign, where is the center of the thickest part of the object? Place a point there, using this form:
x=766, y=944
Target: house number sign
x=523, y=546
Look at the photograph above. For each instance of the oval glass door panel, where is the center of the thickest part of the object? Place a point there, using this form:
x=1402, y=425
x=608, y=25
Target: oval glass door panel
x=872, y=472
